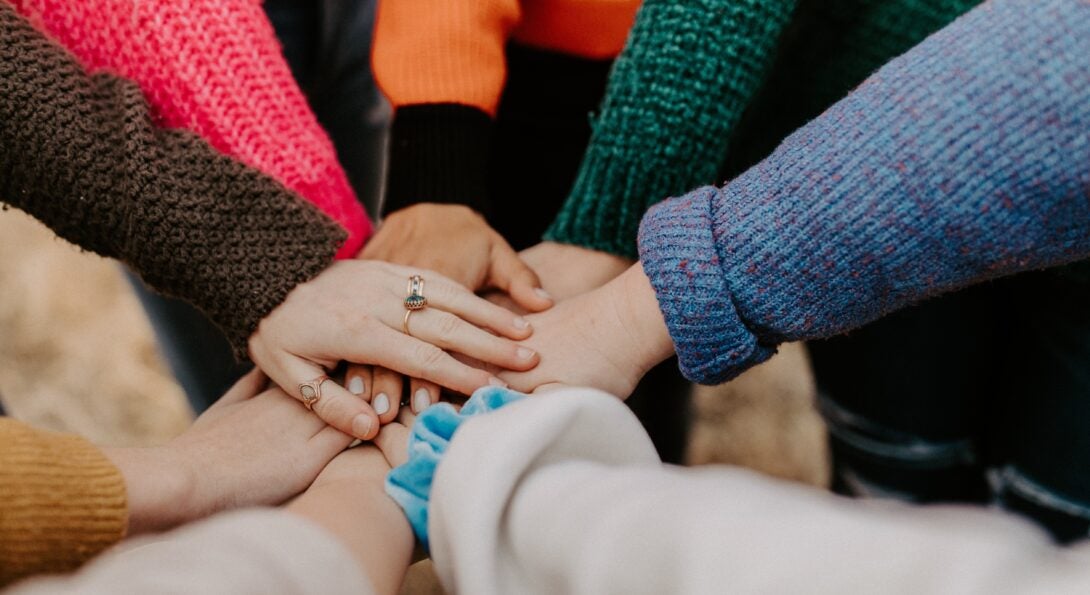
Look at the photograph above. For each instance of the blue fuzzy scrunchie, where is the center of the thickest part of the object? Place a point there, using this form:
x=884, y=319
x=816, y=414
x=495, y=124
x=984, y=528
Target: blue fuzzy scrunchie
x=410, y=484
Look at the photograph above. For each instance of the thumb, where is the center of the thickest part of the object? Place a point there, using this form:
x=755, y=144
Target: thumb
x=511, y=275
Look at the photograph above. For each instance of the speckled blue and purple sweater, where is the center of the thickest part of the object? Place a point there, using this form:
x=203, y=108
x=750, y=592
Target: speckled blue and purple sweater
x=966, y=159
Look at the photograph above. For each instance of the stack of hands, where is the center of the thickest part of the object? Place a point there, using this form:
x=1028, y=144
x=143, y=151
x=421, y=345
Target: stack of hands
x=555, y=314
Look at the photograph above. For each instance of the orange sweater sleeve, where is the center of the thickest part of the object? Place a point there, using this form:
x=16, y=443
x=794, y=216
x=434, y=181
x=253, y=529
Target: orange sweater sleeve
x=61, y=501
x=443, y=51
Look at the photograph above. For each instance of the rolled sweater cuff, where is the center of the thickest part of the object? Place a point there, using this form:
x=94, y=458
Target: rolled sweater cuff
x=439, y=154
x=713, y=342
x=63, y=501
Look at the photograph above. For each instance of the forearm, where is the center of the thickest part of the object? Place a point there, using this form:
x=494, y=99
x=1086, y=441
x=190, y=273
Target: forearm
x=215, y=68
x=578, y=463
x=158, y=487
x=679, y=87
x=657, y=529
x=961, y=161
x=375, y=531
x=81, y=154
x=442, y=67
x=251, y=551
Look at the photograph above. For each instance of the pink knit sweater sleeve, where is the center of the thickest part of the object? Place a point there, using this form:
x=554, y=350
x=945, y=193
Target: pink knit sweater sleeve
x=213, y=67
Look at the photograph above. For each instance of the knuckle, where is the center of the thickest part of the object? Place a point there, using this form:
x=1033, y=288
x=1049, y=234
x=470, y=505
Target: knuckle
x=429, y=356
x=335, y=411
x=447, y=326
x=442, y=291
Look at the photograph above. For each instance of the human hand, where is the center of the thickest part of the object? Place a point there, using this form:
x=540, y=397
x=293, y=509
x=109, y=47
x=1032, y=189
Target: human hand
x=248, y=449
x=456, y=242
x=349, y=500
x=567, y=270
x=606, y=339
x=354, y=311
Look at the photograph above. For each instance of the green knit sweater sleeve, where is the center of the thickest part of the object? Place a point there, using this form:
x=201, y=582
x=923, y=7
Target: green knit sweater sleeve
x=687, y=73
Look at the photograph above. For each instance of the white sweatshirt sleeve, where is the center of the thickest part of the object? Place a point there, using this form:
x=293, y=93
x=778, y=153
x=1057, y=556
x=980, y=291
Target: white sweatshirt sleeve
x=258, y=552
x=564, y=494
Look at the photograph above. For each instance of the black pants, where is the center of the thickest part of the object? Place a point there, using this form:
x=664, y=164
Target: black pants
x=980, y=396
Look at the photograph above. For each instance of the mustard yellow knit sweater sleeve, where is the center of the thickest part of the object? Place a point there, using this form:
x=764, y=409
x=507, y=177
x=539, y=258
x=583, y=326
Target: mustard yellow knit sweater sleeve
x=61, y=501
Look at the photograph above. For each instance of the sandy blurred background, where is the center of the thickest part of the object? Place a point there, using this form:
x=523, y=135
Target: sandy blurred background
x=77, y=354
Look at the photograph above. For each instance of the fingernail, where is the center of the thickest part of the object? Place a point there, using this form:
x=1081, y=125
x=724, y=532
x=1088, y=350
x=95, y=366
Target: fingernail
x=542, y=293
x=361, y=425
x=355, y=386
x=381, y=404
x=522, y=323
x=525, y=353
x=496, y=382
x=421, y=400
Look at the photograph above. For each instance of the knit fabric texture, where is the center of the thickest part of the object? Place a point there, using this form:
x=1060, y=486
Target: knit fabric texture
x=213, y=67
x=696, y=76
x=409, y=484
x=452, y=51
x=444, y=66
x=965, y=159
x=682, y=81
x=80, y=153
x=438, y=153
x=827, y=50
x=61, y=501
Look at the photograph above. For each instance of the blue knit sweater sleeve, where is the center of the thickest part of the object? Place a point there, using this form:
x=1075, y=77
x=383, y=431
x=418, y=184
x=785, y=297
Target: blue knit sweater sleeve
x=965, y=159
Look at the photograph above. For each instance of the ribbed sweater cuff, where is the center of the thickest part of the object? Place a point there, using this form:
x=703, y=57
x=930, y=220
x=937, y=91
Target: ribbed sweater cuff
x=63, y=501
x=712, y=341
x=439, y=153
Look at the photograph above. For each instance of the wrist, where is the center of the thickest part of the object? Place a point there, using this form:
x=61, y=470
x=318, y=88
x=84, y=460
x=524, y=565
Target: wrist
x=359, y=514
x=645, y=326
x=567, y=270
x=159, y=488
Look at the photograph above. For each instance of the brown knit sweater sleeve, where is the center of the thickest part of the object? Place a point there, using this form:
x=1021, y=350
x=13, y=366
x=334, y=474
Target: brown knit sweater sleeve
x=81, y=154
x=61, y=501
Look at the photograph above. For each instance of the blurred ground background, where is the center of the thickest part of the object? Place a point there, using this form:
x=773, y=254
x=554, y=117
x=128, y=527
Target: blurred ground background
x=77, y=354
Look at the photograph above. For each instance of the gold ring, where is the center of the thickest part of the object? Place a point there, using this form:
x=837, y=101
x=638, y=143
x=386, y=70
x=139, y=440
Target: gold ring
x=405, y=322
x=312, y=391
x=415, y=299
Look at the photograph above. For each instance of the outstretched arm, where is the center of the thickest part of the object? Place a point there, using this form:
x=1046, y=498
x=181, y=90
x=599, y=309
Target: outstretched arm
x=963, y=160
x=81, y=153
x=687, y=73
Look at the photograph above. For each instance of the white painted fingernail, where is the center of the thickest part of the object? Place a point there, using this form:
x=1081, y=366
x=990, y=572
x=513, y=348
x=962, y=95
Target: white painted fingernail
x=361, y=425
x=525, y=353
x=542, y=293
x=421, y=400
x=496, y=382
x=381, y=404
x=522, y=323
x=355, y=386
